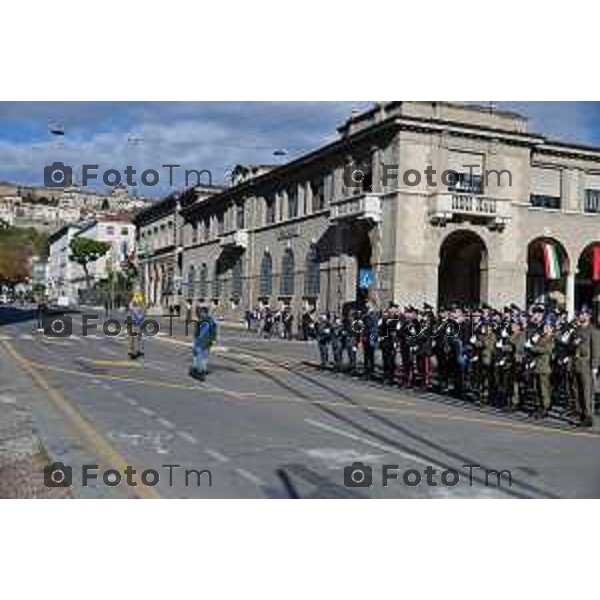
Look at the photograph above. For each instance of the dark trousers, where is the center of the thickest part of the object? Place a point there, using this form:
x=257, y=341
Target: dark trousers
x=388, y=357
x=369, y=359
x=324, y=352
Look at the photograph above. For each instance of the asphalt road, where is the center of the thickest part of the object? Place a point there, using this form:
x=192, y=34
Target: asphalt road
x=268, y=424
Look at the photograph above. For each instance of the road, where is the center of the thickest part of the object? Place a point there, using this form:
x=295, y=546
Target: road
x=268, y=424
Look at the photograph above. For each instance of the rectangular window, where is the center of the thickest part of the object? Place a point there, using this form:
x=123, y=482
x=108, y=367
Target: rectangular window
x=317, y=187
x=292, y=202
x=220, y=223
x=269, y=210
x=466, y=183
x=591, y=203
x=110, y=230
x=195, y=227
x=545, y=187
x=469, y=169
x=540, y=201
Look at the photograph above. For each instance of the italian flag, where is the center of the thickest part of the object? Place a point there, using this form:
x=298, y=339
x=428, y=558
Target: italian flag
x=551, y=261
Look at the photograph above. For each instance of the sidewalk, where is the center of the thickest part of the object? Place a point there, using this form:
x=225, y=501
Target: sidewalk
x=22, y=457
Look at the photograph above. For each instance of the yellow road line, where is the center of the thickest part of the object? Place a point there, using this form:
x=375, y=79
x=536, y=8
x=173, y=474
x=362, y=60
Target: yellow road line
x=212, y=388
x=111, y=363
x=93, y=437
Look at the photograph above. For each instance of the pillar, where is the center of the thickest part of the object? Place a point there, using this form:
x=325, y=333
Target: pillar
x=571, y=293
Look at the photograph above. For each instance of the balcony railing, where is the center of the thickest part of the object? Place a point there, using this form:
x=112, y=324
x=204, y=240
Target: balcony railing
x=235, y=239
x=364, y=207
x=447, y=206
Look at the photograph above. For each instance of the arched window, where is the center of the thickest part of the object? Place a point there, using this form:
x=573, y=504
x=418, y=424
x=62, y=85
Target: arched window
x=191, y=282
x=236, y=279
x=266, y=275
x=216, y=283
x=312, y=274
x=203, y=291
x=287, y=273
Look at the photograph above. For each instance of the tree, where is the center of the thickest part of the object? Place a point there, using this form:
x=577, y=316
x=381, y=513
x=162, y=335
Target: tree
x=17, y=246
x=14, y=265
x=85, y=251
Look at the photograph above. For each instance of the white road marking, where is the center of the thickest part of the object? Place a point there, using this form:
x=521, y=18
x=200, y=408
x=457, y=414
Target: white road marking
x=166, y=423
x=147, y=411
x=130, y=401
x=335, y=457
x=216, y=455
x=156, y=441
x=364, y=440
x=5, y=338
x=26, y=336
x=188, y=437
x=249, y=476
x=6, y=399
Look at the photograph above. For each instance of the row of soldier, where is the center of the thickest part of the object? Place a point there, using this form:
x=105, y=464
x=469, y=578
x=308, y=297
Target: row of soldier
x=533, y=360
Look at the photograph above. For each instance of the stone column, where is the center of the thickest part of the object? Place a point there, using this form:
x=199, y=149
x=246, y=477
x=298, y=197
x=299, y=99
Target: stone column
x=506, y=284
x=571, y=293
x=376, y=169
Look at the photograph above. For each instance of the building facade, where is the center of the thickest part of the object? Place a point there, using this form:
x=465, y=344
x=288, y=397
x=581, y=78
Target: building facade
x=62, y=272
x=414, y=202
x=160, y=245
x=66, y=278
x=119, y=232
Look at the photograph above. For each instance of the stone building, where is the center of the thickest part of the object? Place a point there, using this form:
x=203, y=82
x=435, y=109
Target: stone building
x=413, y=202
x=159, y=245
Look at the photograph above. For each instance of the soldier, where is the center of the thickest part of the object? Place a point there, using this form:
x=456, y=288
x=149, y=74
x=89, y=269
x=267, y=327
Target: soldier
x=369, y=342
x=488, y=384
x=337, y=342
x=587, y=359
x=350, y=340
x=324, y=339
x=288, y=322
x=542, y=350
x=425, y=347
x=563, y=381
x=387, y=341
x=407, y=343
x=459, y=351
x=516, y=342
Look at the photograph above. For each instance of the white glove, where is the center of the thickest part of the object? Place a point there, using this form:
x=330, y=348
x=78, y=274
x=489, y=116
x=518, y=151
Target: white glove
x=472, y=339
x=528, y=344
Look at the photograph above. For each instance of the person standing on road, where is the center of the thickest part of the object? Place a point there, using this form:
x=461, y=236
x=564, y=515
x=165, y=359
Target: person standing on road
x=138, y=313
x=324, y=339
x=41, y=313
x=205, y=335
x=587, y=360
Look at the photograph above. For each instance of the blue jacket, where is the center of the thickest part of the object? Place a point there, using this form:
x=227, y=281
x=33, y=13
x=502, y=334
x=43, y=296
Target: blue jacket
x=206, y=332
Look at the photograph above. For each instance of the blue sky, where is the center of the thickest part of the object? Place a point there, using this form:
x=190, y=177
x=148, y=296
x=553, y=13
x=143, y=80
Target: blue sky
x=208, y=135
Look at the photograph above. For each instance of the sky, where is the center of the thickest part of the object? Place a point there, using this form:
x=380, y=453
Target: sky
x=207, y=135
